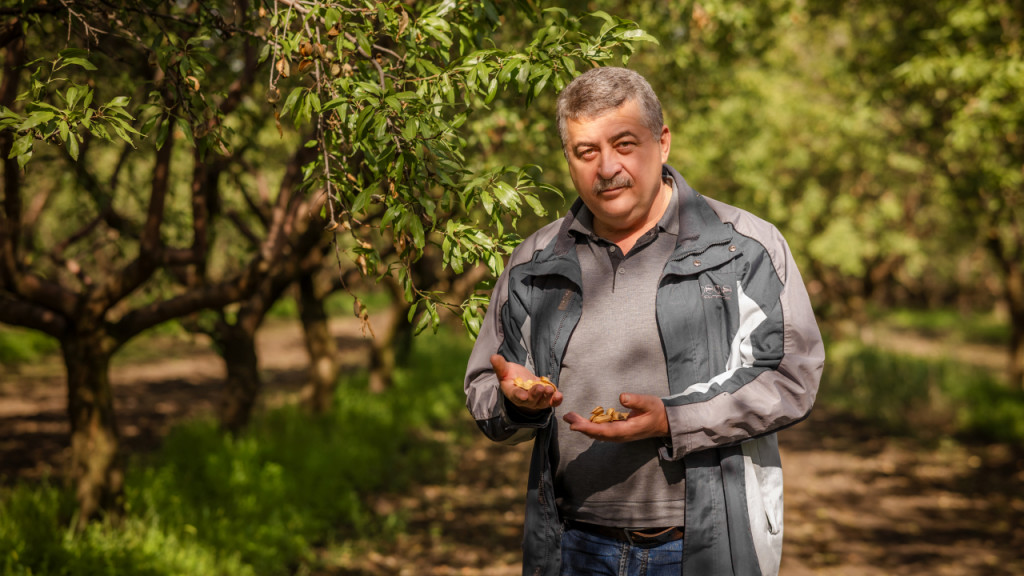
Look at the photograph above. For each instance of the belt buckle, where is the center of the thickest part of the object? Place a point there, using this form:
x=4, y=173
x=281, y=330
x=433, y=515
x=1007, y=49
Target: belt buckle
x=636, y=538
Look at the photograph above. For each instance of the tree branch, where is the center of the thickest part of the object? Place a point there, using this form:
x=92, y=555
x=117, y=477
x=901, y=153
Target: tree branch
x=151, y=247
x=104, y=206
x=242, y=227
x=17, y=312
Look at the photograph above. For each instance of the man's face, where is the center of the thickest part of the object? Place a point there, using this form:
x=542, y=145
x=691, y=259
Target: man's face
x=615, y=164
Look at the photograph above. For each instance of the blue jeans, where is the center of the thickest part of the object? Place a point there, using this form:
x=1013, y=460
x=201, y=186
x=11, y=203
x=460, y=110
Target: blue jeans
x=589, y=554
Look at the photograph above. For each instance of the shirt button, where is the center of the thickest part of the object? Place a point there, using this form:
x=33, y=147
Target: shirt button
x=611, y=249
x=732, y=248
x=696, y=262
x=622, y=270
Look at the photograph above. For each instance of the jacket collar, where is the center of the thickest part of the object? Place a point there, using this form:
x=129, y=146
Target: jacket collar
x=699, y=225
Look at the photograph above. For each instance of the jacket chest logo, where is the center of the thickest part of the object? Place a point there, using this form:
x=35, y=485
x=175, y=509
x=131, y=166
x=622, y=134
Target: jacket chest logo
x=717, y=291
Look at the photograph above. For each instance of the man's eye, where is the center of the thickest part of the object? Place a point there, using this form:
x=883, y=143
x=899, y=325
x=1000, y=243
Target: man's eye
x=588, y=154
x=626, y=146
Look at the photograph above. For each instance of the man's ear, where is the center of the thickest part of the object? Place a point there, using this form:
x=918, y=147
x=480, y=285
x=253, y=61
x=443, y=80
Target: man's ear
x=666, y=143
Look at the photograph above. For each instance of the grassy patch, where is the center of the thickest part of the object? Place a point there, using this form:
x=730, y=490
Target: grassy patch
x=207, y=503
x=920, y=397
x=949, y=323
x=23, y=346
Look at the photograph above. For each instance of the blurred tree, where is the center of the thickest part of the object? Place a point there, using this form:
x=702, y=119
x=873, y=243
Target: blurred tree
x=952, y=74
x=100, y=241
x=86, y=262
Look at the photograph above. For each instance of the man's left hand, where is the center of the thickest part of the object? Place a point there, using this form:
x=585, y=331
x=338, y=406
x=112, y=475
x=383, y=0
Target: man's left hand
x=647, y=419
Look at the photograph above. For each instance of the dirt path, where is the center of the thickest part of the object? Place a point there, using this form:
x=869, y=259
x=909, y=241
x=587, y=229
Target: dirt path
x=857, y=504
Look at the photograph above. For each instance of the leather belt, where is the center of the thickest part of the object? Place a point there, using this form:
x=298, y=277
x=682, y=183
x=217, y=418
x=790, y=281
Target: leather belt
x=639, y=537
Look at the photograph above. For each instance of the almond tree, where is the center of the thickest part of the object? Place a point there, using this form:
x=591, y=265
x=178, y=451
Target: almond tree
x=128, y=130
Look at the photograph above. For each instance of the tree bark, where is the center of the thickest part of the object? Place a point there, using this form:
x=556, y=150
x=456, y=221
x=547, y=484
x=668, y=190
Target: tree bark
x=243, y=384
x=392, y=349
x=323, y=368
x=1009, y=256
x=96, y=465
x=1015, y=299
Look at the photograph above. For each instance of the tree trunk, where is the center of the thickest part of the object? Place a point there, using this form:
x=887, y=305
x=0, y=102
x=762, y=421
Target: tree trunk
x=242, y=385
x=1015, y=299
x=323, y=369
x=1017, y=355
x=96, y=465
x=391, y=349
x=1009, y=258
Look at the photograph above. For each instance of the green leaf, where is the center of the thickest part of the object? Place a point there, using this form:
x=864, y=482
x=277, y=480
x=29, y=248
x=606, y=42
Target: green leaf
x=332, y=17
x=361, y=200
x=638, y=35
x=539, y=87
x=79, y=62
x=35, y=119
x=411, y=129
x=523, y=77
x=21, y=146
x=363, y=41
x=505, y=194
x=492, y=90
x=162, y=132
x=456, y=261
x=535, y=204
x=416, y=229
x=389, y=215
x=293, y=98
x=422, y=324
x=472, y=321
x=72, y=144
x=71, y=96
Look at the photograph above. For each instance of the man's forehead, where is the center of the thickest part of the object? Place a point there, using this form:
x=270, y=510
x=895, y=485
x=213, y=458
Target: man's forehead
x=625, y=118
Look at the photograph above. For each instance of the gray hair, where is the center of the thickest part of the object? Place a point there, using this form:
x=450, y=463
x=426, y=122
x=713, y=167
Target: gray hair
x=599, y=90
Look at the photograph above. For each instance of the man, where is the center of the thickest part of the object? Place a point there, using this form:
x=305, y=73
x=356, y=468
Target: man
x=687, y=312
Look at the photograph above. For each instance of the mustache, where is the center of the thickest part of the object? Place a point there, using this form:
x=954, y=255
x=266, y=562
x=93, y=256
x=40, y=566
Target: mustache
x=600, y=185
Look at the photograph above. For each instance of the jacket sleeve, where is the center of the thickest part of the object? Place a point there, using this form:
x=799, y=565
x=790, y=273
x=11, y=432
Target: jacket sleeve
x=775, y=361
x=505, y=331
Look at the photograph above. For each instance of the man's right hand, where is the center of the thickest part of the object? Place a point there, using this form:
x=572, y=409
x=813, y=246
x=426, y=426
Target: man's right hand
x=536, y=399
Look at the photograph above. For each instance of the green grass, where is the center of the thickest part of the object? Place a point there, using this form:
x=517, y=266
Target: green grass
x=948, y=323
x=23, y=346
x=926, y=398
x=207, y=503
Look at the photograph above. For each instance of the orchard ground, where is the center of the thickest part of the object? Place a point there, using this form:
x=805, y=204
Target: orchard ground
x=858, y=503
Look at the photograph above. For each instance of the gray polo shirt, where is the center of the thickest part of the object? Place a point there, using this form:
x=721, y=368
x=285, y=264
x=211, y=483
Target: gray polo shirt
x=616, y=348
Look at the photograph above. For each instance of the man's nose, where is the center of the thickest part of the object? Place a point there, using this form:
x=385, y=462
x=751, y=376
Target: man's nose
x=608, y=167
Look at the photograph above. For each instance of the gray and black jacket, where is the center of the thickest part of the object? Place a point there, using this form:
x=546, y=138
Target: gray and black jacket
x=743, y=354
